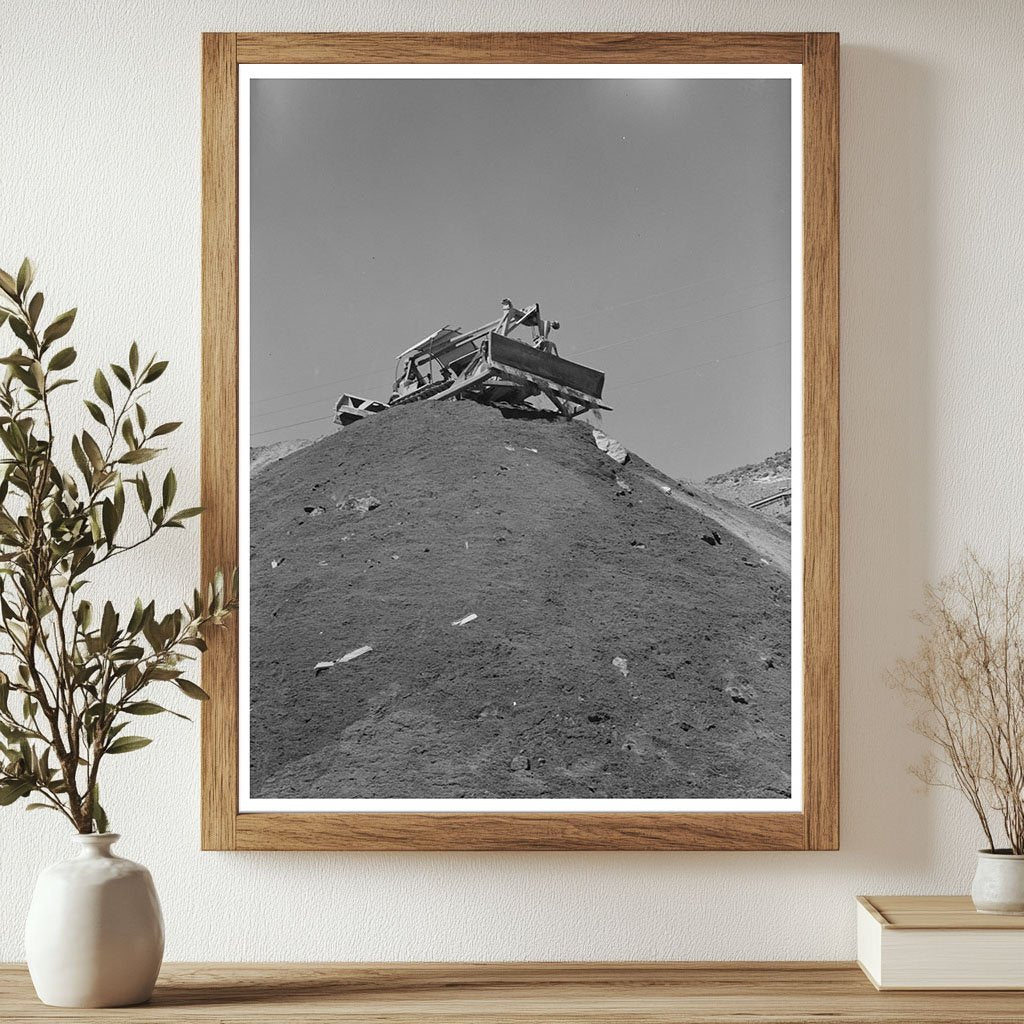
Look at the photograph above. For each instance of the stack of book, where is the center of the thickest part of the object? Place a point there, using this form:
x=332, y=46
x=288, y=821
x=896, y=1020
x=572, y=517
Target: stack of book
x=938, y=942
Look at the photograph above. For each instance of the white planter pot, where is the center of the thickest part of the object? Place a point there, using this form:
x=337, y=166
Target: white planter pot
x=95, y=934
x=999, y=883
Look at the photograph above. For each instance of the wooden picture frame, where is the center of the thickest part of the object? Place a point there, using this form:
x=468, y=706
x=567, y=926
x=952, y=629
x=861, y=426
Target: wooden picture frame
x=816, y=826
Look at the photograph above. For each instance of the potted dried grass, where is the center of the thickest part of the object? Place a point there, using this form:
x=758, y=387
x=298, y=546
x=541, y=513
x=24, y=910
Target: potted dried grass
x=967, y=682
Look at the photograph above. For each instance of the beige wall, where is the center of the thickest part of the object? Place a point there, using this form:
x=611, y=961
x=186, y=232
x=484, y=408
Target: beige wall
x=99, y=168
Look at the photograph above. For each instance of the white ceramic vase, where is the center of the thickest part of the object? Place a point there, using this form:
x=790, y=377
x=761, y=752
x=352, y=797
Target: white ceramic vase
x=95, y=934
x=999, y=883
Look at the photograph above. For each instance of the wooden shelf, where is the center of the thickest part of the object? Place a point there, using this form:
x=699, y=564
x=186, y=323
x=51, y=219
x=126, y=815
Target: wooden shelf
x=655, y=993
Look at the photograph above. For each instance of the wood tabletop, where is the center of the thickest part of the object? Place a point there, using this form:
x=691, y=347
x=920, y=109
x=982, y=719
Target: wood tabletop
x=655, y=993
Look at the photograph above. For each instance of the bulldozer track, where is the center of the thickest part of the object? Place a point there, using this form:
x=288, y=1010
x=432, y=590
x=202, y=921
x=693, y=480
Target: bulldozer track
x=422, y=395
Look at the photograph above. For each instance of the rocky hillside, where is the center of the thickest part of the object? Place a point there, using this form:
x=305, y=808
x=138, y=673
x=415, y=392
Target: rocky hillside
x=522, y=617
x=753, y=483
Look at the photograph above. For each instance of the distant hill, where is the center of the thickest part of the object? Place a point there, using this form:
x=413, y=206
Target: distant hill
x=261, y=456
x=627, y=642
x=749, y=484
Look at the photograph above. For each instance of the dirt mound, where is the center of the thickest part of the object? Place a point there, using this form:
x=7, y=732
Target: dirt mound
x=747, y=485
x=624, y=645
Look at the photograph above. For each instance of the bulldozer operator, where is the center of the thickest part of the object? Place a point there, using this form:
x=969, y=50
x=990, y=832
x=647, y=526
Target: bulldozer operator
x=511, y=318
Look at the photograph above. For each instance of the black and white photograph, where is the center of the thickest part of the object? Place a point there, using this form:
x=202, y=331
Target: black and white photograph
x=520, y=438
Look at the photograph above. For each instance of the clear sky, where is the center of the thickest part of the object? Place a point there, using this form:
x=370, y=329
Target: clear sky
x=651, y=217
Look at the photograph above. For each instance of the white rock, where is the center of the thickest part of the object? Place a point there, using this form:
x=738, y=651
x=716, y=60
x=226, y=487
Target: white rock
x=357, y=653
x=610, y=447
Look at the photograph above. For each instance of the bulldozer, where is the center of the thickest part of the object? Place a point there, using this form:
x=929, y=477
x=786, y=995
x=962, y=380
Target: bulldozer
x=490, y=365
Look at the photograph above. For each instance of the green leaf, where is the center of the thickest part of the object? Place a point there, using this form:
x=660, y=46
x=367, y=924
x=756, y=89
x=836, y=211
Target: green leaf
x=109, y=521
x=26, y=274
x=121, y=374
x=165, y=428
x=133, y=358
x=170, y=673
x=128, y=433
x=145, y=497
x=92, y=449
x=126, y=744
x=186, y=513
x=20, y=329
x=191, y=690
x=95, y=527
x=170, y=488
x=12, y=733
x=147, y=707
x=60, y=326
x=102, y=388
x=95, y=412
x=108, y=625
x=154, y=371
x=130, y=653
x=139, y=455
x=8, y=284
x=143, y=707
x=99, y=816
x=35, y=308
x=137, y=616
x=63, y=359
x=11, y=791
x=78, y=453
x=16, y=359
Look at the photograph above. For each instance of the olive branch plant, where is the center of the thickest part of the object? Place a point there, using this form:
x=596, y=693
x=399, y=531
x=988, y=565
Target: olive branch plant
x=78, y=673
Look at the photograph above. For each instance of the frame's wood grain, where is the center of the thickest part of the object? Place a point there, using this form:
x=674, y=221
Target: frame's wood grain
x=219, y=454
x=821, y=441
x=521, y=48
x=817, y=827
x=521, y=831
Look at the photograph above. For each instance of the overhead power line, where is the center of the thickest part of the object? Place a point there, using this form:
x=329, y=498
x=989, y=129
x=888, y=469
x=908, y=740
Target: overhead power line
x=632, y=383
x=698, y=366
x=585, y=351
x=575, y=317
x=674, y=327
x=285, y=426
x=325, y=384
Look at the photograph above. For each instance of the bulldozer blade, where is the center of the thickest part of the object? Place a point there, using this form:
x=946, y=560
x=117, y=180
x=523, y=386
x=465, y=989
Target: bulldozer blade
x=506, y=353
x=351, y=409
x=569, y=380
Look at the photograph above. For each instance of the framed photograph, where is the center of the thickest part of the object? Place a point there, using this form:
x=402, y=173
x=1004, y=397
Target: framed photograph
x=520, y=420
